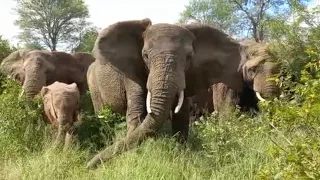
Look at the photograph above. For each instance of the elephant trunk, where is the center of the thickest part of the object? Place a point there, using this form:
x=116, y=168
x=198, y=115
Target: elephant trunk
x=271, y=90
x=161, y=102
x=33, y=83
x=162, y=91
x=63, y=128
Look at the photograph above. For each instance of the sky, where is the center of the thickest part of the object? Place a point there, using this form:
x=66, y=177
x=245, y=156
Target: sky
x=105, y=12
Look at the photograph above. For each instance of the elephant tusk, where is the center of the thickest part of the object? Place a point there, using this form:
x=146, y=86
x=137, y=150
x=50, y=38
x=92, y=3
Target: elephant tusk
x=148, y=102
x=22, y=92
x=180, y=102
x=259, y=96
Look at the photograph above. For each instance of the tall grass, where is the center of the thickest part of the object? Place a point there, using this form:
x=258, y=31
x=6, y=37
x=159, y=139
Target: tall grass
x=233, y=147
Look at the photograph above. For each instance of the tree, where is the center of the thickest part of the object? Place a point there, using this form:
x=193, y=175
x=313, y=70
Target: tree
x=5, y=48
x=33, y=45
x=50, y=22
x=86, y=42
x=209, y=12
x=247, y=18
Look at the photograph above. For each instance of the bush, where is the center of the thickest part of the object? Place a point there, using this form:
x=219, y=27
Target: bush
x=296, y=119
x=22, y=130
x=98, y=131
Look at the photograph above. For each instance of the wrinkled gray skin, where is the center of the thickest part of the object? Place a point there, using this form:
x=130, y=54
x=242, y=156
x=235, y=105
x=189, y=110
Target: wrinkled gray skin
x=61, y=103
x=37, y=68
x=136, y=57
x=258, y=67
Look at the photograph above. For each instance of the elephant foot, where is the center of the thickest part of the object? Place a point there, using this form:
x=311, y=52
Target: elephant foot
x=94, y=162
x=68, y=142
x=215, y=114
x=106, y=154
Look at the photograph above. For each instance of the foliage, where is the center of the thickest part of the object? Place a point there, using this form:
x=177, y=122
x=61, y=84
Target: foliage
x=296, y=118
x=33, y=45
x=5, y=48
x=87, y=41
x=210, y=12
x=241, y=18
x=299, y=158
x=96, y=131
x=295, y=46
x=20, y=123
x=51, y=22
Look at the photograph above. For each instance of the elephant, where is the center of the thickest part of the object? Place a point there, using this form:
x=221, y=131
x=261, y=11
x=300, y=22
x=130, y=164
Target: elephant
x=147, y=71
x=12, y=65
x=84, y=58
x=60, y=102
x=201, y=104
x=258, y=69
x=37, y=68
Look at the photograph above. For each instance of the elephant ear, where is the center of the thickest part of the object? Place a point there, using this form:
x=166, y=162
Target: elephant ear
x=120, y=45
x=217, y=56
x=73, y=85
x=12, y=65
x=44, y=91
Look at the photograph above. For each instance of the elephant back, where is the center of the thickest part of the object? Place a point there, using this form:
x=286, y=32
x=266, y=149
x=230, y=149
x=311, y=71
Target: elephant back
x=67, y=68
x=85, y=59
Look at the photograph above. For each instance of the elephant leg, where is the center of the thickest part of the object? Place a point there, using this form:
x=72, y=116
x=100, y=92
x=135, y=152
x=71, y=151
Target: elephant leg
x=62, y=131
x=180, y=122
x=68, y=141
x=83, y=87
x=96, y=98
x=60, y=136
x=136, y=108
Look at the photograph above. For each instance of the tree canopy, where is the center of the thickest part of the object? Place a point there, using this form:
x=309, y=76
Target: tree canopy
x=86, y=40
x=51, y=22
x=242, y=18
x=5, y=48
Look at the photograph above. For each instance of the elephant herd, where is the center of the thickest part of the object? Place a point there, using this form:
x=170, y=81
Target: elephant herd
x=149, y=73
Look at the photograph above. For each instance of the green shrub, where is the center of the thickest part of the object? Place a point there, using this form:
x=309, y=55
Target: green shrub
x=21, y=126
x=298, y=122
x=97, y=131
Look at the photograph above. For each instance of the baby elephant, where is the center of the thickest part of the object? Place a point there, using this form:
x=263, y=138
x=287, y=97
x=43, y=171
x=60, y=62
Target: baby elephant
x=61, y=103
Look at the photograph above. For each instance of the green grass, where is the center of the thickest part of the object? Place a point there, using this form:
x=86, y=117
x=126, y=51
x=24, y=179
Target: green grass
x=232, y=148
x=160, y=159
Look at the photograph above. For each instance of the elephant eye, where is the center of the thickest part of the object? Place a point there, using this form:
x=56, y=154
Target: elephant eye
x=252, y=71
x=189, y=57
x=145, y=56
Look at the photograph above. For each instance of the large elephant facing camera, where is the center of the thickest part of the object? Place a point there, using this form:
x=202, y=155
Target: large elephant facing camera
x=146, y=71
x=38, y=68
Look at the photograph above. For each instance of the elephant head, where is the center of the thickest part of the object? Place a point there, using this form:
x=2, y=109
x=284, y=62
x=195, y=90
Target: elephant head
x=11, y=66
x=177, y=61
x=259, y=70
x=36, y=66
x=61, y=103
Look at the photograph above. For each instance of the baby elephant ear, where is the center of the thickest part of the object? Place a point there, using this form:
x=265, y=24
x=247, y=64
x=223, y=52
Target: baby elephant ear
x=44, y=90
x=73, y=85
x=120, y=44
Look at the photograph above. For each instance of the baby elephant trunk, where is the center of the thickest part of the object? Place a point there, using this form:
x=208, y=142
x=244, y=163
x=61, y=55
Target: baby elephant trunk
x=65, y=127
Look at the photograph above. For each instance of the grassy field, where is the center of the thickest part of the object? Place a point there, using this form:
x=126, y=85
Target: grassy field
x=236, y=147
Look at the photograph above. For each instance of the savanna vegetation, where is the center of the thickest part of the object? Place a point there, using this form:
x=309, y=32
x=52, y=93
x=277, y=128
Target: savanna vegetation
x=282, y=142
